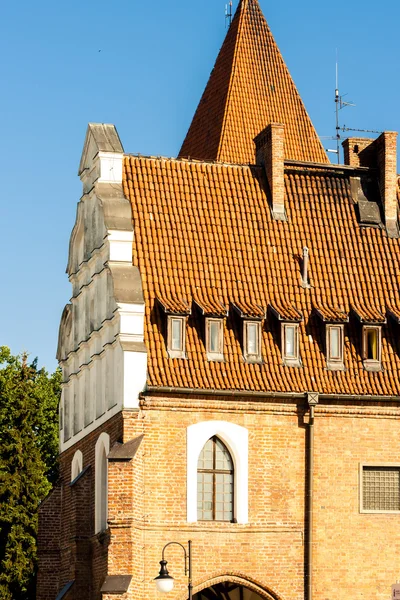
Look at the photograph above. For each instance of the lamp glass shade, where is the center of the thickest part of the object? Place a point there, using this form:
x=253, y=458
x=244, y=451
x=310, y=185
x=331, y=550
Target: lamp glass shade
x=164, y=584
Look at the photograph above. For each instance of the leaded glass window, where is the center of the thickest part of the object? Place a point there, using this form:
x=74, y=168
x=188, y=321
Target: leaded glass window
x=215, y=482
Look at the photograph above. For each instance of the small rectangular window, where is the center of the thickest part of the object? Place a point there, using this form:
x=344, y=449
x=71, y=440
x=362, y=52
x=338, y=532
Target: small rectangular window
x=372, y=347
x=290, y=344
x=252, y=340
x=380, y=488
x=334, y=346
x=176, y=337
x=214, y=339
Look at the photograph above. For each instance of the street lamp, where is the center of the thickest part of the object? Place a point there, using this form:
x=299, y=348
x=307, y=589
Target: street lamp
x=164, y=581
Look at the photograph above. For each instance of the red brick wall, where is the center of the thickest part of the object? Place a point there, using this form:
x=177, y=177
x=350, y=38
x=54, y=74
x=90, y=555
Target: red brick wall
x=49, y=545
x=81, y=554
x=355, y=555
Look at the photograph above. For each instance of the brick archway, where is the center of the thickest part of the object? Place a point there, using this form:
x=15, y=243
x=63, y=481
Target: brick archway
x=234, y=578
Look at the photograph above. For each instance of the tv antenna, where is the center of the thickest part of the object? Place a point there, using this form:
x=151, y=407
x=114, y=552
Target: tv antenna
x=339, y=105
x=228, y=13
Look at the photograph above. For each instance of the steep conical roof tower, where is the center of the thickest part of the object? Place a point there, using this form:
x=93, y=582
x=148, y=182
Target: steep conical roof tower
x=250, y=87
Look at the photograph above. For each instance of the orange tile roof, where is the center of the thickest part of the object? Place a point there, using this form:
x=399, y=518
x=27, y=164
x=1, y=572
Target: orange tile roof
x=249, y=88
x=204, y=232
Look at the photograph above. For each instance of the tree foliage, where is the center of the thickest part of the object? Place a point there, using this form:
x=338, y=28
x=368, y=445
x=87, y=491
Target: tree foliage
x=28, y=466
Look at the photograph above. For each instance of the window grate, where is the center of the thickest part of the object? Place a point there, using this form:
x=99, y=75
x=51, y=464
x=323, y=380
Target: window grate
x=381, y=488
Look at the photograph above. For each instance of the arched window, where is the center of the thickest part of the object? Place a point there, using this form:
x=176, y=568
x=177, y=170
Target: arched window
x=101, y=491
x=215, y=482
x=236, y=440
x=76, y=465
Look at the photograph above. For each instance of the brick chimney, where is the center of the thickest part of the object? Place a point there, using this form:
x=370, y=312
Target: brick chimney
x=380, y=154
x=359, y=152
x=270, y=153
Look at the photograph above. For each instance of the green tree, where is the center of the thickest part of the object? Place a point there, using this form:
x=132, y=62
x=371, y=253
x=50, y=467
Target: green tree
x=29, y=400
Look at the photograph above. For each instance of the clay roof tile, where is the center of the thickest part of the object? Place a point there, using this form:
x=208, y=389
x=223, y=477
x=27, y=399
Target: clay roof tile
x=249, y=88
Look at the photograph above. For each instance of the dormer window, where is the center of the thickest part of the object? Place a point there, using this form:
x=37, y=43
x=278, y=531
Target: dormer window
x=215, y=339
x=290, y=344
x=252, y=341
x=372, y=347
x=335, y=347
x=176, y=337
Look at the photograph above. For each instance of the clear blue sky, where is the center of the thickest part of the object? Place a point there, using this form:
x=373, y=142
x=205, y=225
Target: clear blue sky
x=143, y=67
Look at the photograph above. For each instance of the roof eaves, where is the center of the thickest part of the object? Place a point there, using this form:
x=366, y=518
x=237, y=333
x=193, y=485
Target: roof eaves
x=288, y=314
x=368, y=316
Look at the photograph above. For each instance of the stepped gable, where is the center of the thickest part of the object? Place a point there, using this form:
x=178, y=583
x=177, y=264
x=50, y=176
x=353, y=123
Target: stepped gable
x=205, y=231
x=249, y=88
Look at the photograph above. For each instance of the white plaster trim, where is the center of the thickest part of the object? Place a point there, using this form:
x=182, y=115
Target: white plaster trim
x=236, y=439
x=76, y=465
x=134, y=378
x=131, y=321
x=84, y=432
x=102, y=444
x=120, y=245
x=110, y=167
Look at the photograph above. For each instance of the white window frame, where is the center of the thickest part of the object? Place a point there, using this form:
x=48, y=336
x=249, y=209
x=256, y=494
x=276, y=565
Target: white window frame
x=252, y=357
x=181, y=353
x=102, y=447
x=76, y=465
x=335, y=364
x=219, y=354
x=236, y=439
x=369, y=363
x=361, y=483
x=290, y=361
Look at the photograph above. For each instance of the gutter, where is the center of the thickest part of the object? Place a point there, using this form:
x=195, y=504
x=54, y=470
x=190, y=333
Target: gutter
x=151, y=389
x=312, y=402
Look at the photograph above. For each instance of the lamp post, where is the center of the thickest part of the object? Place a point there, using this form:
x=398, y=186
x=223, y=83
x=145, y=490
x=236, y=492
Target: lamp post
x=164, y=581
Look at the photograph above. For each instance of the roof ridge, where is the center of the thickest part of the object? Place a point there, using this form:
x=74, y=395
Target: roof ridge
x=243, y=3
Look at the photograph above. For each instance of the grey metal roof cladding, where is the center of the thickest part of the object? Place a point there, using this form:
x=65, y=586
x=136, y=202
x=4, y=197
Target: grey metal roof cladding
x=65, y=589
x=106, y=139
x=116, y=584
x=125, y=451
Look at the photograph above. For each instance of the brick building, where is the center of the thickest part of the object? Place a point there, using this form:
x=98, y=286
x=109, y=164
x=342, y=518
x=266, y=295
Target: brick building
x=230, y=356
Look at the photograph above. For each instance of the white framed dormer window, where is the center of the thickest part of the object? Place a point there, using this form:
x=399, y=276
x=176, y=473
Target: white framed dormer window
x=232, y=455
x=252, y=341
x=290, y=344
x=176, y=337
x=371, y=347
x=215, y=339
x=335, y=347
x=379, y=488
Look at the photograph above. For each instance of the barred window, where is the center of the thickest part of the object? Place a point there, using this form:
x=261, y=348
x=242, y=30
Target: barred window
x=380, y=488
x=215, y=482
